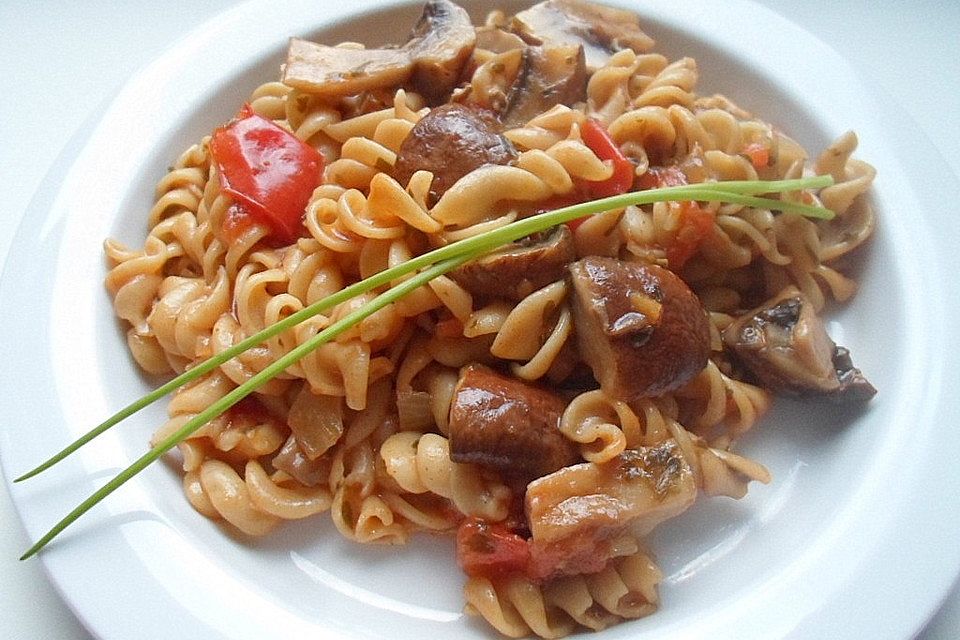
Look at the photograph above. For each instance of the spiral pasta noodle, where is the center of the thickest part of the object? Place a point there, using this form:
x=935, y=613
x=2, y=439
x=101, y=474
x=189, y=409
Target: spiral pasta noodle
x=370, y=427
x=420, y=463
x=517, y=607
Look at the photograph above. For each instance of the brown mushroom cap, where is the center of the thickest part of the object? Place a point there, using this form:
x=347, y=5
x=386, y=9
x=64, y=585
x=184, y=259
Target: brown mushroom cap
x=507, y=425
x=520, y=268
x=639, y=327
x=450, y=142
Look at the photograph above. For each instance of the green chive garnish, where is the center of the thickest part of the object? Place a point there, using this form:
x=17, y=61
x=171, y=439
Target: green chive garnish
x=434, y=263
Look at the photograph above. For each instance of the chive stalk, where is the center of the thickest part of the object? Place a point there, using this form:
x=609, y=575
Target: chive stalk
x=434, y=263
x=734, y=191
x=245, y=389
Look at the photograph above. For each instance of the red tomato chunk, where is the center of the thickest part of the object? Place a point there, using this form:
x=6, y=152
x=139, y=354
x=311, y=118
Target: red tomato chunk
x=696, y=225
x=492, y=550
x=489, y=549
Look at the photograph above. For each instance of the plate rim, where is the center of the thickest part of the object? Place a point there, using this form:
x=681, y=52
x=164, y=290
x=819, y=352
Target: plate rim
x=194, y=40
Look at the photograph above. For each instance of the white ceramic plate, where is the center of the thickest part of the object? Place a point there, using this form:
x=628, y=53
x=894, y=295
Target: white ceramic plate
x=856, y=536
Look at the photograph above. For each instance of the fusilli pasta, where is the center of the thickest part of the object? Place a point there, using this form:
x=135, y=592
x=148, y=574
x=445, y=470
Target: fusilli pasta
x=371, y=426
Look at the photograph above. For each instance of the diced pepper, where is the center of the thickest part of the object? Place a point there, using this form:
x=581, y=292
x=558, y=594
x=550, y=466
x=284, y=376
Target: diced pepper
x=600, y=142
x=573, y=555
x=268, y=171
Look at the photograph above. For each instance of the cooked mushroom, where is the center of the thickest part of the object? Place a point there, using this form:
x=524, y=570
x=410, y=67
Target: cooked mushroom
x=640, y=487
x=431, y=60
x=785, y=345
x=440, y=45
x=496, y=40
x=450, y=142
x=550, y=75
x=340, y=71
x=601, y=30
x=520, y=268
x=639, y=327
x=507, y=425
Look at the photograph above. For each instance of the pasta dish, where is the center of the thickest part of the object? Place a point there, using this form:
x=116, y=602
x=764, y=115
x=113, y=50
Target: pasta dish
x=549, y=402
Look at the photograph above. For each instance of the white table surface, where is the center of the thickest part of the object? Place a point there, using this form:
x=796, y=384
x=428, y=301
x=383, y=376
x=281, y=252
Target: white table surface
x=60, y=61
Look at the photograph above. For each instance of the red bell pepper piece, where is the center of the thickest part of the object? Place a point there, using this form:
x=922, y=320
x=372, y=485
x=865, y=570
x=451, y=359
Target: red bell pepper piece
x=268, y=171
x=600, y=142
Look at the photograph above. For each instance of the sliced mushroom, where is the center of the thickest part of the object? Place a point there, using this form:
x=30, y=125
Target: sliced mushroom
x=496, y=40
x=507, y=425
x=601, y=30
x=785, y=345
x=440, y=45
x=550, y=75
x=639, y=327
x=450, y=142
x=340, y=71
x=520, y=268
x=431, y=60
x=640, y=487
